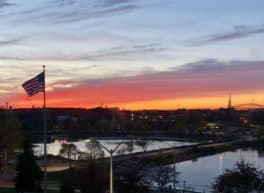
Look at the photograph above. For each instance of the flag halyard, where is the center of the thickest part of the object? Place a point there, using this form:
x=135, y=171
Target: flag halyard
x=35, y=85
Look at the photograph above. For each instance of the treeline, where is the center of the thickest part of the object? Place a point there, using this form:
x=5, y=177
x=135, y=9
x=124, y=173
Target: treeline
x=10, y=136
x=113, y=121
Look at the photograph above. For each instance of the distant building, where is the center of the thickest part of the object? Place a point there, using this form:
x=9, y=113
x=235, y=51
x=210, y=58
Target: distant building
x=212, y=125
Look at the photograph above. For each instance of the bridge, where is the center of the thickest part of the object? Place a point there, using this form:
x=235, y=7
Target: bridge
x=249, y=106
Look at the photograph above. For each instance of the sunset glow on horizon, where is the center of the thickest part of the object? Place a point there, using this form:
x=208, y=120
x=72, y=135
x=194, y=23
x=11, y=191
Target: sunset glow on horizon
x=169, y=104
x=133, y=54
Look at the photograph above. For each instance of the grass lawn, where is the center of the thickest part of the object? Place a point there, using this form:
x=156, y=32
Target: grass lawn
x=11, y=190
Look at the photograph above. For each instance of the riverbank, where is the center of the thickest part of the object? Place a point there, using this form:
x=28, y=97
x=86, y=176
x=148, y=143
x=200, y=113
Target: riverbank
x=190, y=152
x=37, y=137
x=166, y=155
x=58, y=166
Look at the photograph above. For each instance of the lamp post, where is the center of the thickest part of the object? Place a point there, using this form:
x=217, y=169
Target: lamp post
x=111, y=177
x=174, y=167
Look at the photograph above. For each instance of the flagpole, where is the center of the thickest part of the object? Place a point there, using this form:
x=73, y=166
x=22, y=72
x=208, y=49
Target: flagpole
x=45, y=132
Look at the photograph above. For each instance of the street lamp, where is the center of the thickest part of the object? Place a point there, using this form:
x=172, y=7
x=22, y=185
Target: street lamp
x=111, y=152
x=174, y=167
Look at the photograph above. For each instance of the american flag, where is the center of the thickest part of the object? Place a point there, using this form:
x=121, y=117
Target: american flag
x=34, y=85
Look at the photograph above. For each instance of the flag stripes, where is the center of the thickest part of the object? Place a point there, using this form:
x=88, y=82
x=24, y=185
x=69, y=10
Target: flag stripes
x=34, y=85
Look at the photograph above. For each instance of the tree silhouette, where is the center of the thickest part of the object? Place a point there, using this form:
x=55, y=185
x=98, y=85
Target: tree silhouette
x=93, y=179
x=10, y=135
x=244, y=178
x=126, y=147
x=94, y=149
x=131, y=177
x=28, y=172
x=162, y=175
x=70, y=151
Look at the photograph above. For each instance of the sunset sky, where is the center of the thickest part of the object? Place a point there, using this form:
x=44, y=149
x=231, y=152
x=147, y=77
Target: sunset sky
x=135, y=54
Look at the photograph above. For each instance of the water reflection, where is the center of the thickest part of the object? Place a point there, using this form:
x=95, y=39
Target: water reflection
x=221, y=160
x=256, y=159
x=202, y=172
x=198, y=173
x=128, y=146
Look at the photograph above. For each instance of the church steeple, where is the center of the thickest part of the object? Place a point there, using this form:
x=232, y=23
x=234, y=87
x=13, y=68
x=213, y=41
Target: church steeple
x=230, y=101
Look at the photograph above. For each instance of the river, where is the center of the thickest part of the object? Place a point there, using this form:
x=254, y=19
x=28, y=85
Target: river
x=200, y=173
x=128, y=146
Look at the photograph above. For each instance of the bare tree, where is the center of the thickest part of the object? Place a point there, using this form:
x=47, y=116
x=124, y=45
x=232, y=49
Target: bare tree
x=162, y=176
x=70, y=151
x=94, y=149
x=131, y=177
x=126, y=147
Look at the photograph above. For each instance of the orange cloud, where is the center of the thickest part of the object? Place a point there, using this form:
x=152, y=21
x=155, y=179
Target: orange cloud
x=165, y=90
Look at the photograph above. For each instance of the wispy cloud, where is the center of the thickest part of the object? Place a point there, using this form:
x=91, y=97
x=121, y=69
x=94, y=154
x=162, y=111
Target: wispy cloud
x=239, y=31
x=66, y=11
x=5, y=3
x=122, y=52
x=207, y=74
x=136, y=51
x=110, y=3
x=93, y=14
x=203, y=65
x=8, y=42
x=214, y=65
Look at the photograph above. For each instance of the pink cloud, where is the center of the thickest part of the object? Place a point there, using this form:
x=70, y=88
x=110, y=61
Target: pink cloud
x=242, y=78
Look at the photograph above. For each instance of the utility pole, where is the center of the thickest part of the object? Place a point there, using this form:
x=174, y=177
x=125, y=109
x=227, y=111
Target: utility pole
x=111, y=177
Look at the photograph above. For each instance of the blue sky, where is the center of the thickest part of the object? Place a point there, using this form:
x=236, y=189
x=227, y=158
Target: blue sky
x=81, y=41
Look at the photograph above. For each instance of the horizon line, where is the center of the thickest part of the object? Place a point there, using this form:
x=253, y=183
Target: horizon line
x=124, y=109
